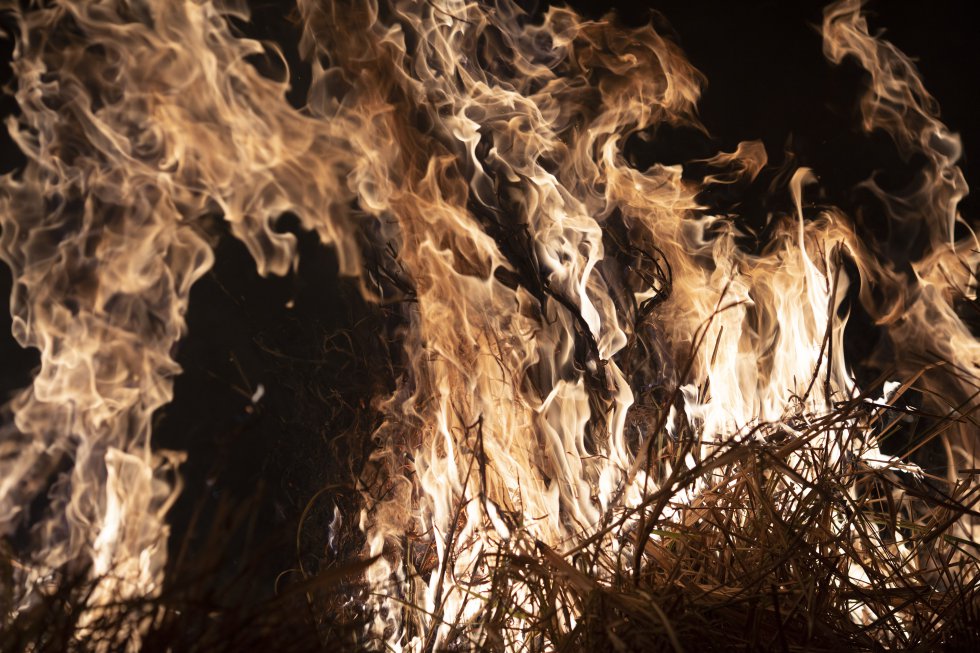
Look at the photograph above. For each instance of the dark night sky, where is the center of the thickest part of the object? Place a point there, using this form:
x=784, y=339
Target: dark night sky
x=767, y=79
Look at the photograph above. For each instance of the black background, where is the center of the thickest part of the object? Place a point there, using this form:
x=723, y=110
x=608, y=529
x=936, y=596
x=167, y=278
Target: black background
x=767, y=79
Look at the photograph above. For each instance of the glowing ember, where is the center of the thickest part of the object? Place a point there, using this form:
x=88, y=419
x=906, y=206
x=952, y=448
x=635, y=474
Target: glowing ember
x=601, y=375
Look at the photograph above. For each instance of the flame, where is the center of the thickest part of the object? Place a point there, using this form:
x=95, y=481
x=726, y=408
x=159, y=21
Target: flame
x=566, y=313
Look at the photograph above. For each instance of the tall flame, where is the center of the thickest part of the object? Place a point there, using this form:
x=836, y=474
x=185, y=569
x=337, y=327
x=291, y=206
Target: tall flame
x=567, y=313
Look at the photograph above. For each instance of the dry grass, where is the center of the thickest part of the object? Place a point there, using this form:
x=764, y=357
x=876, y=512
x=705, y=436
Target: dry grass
x=202, y=606
x=787, y=546
x=761, y=561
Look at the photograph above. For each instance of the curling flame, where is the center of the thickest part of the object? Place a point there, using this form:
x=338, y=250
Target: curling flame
x=567, y=313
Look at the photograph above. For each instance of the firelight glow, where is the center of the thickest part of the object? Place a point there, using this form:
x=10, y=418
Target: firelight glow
x=548, y=287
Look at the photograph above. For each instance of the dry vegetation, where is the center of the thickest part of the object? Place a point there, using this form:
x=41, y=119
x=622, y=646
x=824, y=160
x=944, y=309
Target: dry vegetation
x=763, y=559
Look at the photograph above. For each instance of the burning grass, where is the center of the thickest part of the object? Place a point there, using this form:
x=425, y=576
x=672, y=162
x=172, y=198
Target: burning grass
x=603, y=421
x=203, y=606
x=783, y=547
x=772, y=557
x=783, y=539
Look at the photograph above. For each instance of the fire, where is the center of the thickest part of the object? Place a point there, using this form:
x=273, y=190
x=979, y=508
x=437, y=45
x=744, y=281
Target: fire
x=595, y=359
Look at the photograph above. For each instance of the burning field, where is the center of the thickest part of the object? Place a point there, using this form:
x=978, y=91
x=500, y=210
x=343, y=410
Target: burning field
x=444, y=325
